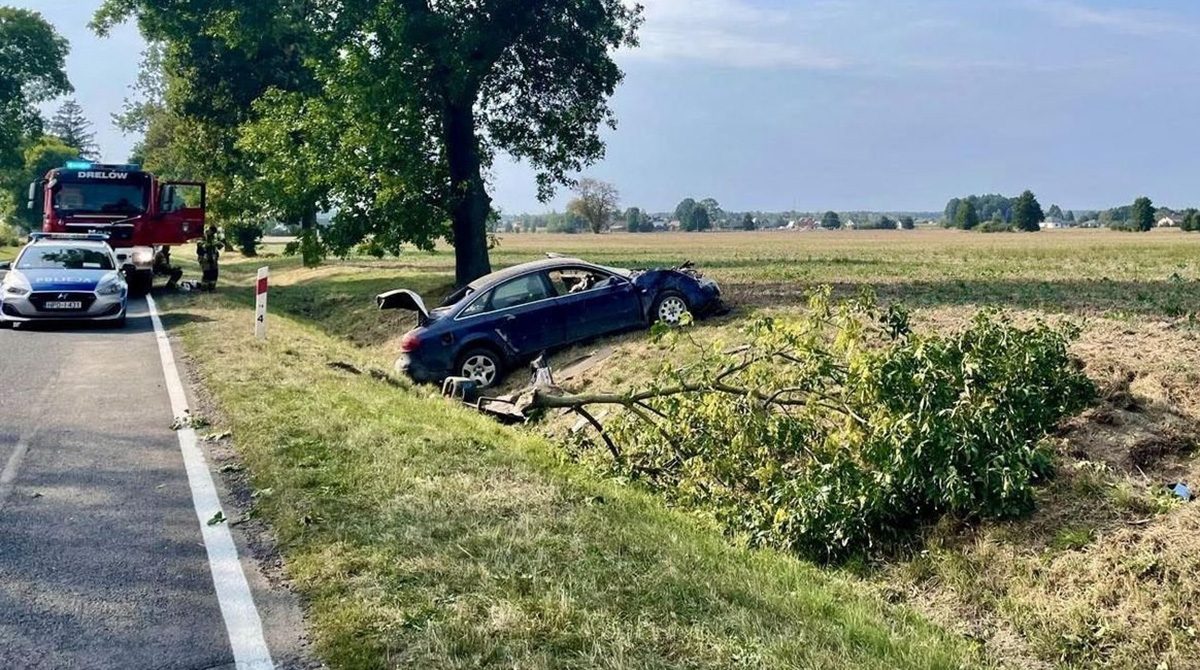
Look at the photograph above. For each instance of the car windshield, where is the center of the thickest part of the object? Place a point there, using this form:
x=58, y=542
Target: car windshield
x=99, y=198
x=64, y=258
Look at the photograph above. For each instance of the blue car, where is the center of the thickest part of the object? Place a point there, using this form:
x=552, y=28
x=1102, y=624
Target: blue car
x=63, y=278
x=511, y=316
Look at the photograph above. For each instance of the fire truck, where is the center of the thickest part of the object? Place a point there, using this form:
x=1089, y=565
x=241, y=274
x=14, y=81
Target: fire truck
x=142, y=216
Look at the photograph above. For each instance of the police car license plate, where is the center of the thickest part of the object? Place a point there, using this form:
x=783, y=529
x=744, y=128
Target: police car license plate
x=64, y=304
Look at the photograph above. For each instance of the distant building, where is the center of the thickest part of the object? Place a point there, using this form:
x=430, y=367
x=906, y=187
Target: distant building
x=1170, y=221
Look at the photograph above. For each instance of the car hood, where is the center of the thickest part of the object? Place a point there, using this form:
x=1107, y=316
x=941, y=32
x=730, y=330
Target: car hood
x=62, y=280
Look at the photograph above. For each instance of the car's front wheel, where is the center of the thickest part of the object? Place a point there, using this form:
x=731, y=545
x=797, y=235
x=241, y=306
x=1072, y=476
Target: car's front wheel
x=669, y=307
x=480, y=365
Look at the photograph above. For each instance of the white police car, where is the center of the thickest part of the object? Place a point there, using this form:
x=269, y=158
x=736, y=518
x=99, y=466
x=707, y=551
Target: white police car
x=63, y=277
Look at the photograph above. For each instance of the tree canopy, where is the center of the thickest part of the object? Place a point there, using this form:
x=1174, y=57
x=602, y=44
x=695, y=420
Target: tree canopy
x=1141, y=215
x=638, y=221
x=39, y=157
x=1027, y=213
x=404, y=103
x=72, y=126
x=32, y=70
x=596, y=201
x=966, y=217
x=831, y=220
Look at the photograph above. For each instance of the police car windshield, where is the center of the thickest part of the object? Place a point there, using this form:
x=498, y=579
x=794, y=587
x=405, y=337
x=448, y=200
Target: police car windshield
x=64, y=258
x=99, y=198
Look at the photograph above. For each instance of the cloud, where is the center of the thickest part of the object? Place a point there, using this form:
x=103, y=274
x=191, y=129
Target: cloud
x=1126, y=21
x=728, y=32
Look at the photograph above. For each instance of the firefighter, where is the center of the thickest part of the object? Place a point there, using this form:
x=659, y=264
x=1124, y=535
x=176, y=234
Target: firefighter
x=162, y=266
x=208, y=251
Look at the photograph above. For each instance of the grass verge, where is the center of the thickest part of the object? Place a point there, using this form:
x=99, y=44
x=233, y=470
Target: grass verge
x=422, y=535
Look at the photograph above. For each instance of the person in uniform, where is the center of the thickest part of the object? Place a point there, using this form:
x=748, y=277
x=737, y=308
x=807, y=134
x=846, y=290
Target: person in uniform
x=162, y=266
x=208, y=251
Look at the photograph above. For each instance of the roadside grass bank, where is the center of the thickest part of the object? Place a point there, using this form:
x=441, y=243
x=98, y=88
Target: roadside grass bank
x=1102, y=574
x=8, y=253
x=422, y=535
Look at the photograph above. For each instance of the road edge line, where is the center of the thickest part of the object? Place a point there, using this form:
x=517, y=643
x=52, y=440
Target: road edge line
x=242, y=621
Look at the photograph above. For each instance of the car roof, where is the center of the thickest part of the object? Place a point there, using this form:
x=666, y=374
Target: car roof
x=487, y=281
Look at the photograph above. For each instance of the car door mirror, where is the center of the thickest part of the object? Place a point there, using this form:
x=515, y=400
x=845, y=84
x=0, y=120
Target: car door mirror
x=166, y=199
x=31, y=200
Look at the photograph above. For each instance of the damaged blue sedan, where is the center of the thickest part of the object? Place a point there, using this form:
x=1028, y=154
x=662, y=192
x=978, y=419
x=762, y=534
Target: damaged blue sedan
x=508, y=317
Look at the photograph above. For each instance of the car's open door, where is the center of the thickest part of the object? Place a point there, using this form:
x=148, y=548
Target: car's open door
x=181, y=206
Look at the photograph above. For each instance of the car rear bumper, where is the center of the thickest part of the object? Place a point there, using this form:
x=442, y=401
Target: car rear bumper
x=420, y=372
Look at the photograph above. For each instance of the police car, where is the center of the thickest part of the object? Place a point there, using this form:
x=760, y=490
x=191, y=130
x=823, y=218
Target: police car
x=64, y=277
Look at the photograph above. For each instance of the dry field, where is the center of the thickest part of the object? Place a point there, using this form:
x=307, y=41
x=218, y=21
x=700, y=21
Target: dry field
x=1102, y=575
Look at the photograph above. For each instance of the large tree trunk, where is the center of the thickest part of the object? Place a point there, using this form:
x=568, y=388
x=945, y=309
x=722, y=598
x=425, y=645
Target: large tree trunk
x=310, y=248
x=470, y=203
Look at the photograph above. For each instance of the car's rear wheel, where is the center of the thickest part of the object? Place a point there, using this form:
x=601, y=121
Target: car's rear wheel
x=483, y=366
x=669, y=307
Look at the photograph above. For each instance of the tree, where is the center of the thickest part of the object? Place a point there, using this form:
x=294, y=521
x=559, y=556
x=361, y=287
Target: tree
x=716, y=215
x=831, y=221
x=886, y=223
x=638, y=221
x=74, y=129
x=423, y=96
x=748, y=222
x=698, y=221
x=40, y=157
x=32, y=70
x=907, y=223
x=966, y=217
x=1070, y=217
x=683, y=211
x=1141, y=216
x=1191, y=221
x=1027, y=214
x=1055, y=213
x=951, y=211
x=596, y=202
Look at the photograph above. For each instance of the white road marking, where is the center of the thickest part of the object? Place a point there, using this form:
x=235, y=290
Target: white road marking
x=233, y=592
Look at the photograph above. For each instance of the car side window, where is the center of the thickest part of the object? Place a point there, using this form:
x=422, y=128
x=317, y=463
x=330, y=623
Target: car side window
x=519, y=291
x=477, y=307
x=578, y=280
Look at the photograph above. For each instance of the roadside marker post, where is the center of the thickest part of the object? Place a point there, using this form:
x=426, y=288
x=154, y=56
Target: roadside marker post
x=260, y=305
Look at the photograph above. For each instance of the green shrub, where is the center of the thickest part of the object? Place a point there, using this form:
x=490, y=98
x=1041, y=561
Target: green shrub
x=996, y=227
x=247, y=237
x=840, y=432
x=9, y=235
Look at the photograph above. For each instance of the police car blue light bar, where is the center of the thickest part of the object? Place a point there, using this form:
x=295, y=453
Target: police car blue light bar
x=91, y=237
x=79, y=165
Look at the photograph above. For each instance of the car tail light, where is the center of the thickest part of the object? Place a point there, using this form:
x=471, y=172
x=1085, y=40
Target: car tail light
x=409, y=343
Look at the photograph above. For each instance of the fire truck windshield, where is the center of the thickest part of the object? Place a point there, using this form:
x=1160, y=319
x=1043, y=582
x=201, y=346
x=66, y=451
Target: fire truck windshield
x=99, y=198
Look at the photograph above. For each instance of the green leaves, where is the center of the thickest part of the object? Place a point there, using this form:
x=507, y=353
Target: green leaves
x=839, y=432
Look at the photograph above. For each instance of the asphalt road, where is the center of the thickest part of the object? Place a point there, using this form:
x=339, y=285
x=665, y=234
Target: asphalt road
x=102, y=563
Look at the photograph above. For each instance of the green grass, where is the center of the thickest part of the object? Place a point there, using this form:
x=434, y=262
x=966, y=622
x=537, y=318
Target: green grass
x=422, y=535
x=1054, y=590
x=8, y=253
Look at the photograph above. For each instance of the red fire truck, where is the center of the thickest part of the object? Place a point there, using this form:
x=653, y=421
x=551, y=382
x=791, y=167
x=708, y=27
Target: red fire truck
x=142, y=216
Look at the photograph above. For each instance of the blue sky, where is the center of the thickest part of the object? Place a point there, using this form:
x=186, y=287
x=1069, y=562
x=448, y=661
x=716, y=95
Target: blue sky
x=856, y=104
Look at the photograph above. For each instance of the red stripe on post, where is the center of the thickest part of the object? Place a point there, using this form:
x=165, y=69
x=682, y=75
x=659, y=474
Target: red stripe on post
x=262, y=286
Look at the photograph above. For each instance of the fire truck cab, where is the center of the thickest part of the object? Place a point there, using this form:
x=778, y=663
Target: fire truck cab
x=142, y=216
